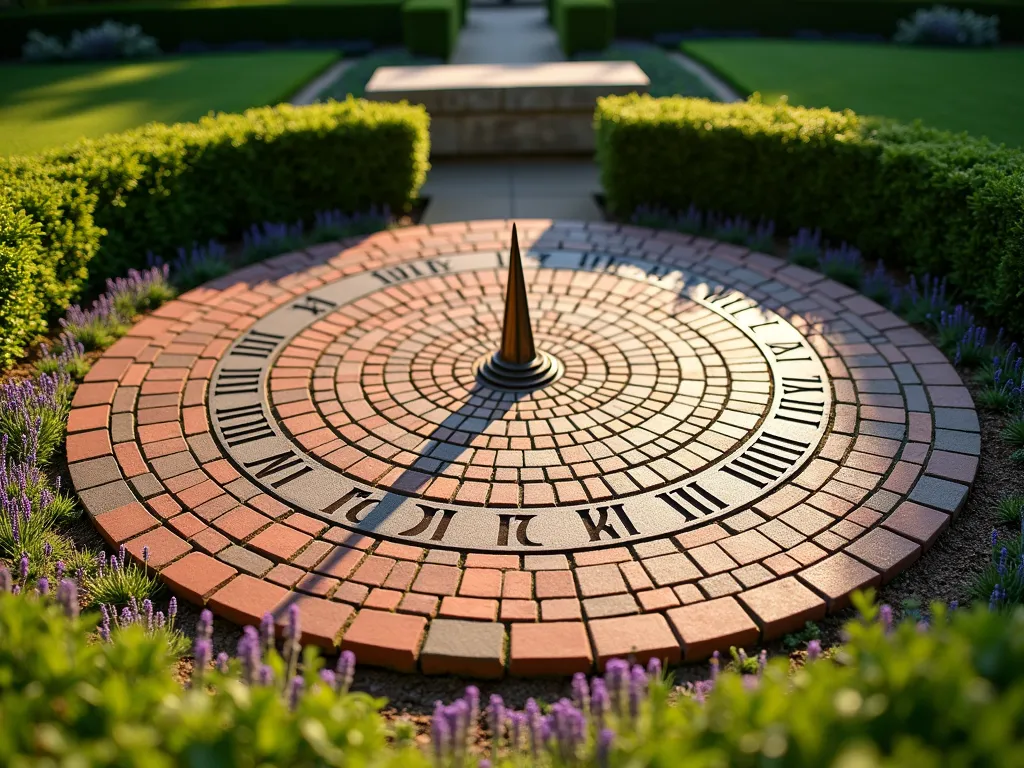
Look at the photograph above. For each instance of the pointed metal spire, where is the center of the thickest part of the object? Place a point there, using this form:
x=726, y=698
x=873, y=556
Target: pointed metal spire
x=517, y=366
x=516, y=334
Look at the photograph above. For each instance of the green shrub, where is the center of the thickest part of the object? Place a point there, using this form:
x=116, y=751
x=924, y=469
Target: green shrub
x=161, y=187
x=920, y=199
x=431, y=27
x=215, y=23
x=68, y=700
x=584, y=25
x=783, y=18
x=20, y=301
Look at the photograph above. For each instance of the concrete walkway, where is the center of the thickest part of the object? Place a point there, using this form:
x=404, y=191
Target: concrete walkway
x=503, y=189
x=507, y=36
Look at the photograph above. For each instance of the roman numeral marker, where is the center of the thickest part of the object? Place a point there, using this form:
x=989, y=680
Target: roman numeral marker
x=237, y=381
x=277, y=464
x=801, y=411
x=692, y=501
x=766, y=460
x=314, y=305
x=248, y=424
x=257, y=344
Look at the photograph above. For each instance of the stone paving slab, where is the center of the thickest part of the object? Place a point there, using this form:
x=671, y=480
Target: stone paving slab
x=736, y=444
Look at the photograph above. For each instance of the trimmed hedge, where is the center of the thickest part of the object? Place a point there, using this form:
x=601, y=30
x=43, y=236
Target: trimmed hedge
x=584, y=25
x=165, y=186
x=431, y=27
x=922, y=199
x=782, y=18
x=174, y=23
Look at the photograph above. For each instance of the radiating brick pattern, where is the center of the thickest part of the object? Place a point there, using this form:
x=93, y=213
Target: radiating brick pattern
x=657, y=389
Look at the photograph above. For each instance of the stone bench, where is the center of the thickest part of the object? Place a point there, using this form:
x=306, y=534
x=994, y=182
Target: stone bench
x=509, y=109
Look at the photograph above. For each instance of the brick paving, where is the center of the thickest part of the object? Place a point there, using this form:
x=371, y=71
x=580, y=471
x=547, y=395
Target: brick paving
x=735, y=445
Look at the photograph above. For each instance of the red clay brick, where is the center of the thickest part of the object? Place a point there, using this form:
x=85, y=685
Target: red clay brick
x=550, y=648
x=244, y=600
x=195, y=576
x=713, y=625
x=385, y=639
x=634, y=637
x=279, y=541
x=119, y=525
x=782, y=606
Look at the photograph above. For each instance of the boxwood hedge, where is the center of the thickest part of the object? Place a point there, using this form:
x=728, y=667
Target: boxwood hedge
x=921, y=199
x=72, y=217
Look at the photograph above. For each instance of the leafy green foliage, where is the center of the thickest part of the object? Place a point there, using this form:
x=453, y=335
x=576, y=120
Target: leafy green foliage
x=431, y=27
x=120, y=580
x=920, y=199
x=65, y=699
x=1010, y=509
x=217, y=22
x=1013, y=433
x=144, y=187
x=584, y=25
x=795, y=640
x=784, y=18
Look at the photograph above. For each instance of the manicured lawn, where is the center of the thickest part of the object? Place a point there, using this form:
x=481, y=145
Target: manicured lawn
x=46, y=105
x=974, y=90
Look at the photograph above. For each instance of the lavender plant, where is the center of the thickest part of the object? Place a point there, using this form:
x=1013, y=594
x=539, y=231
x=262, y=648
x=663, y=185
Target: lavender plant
x=843, y=264
x=922, y=301
x=142, y=614
x=1004, y=392
x=952, y=326
x=261, y=241
x=731, y=229
x=972, y=348
x=34, y=414
x=690, y=221
x=762, y=237
x=141, y=291
x=97, y=327
x=67, y=357
x=119, y=580
x=1013, y=432
x=197, y=264
x=29, y=509
x=805, y=248
x=335, y=225
x=878, y=285
x=1002, y=581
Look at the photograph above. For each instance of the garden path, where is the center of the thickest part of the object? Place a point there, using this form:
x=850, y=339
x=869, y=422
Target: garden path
x=500, y=189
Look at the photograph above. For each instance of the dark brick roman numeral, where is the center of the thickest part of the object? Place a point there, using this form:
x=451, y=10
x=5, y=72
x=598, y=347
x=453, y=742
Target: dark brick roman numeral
x=237, y=381
x=247, y=424
x=766, y=459
x=257, y=344
x=279, y=464
x=692, y=501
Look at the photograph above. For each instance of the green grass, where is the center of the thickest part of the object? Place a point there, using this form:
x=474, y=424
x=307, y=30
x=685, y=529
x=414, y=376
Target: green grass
x=47, y=105
x=955, y=89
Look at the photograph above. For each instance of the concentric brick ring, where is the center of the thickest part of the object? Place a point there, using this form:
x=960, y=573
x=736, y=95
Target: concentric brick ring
x=819, y=444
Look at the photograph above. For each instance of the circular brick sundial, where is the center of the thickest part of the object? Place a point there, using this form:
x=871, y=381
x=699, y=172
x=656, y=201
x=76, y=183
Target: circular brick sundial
x=617, y=441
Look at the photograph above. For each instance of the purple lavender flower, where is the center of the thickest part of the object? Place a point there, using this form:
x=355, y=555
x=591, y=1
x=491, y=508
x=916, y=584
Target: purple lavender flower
x=59, y=569
x=23, y=567
x=616, y=673
x=637, y=690
x=605, y=740
x=223, y=661
x=600, y=702
x=47, y=550
x=293, y=631
x=496, y=721
x=172, y=610
x=67, y=598
x=204, y=627
x=346, y=670
x=762, y=662
x=329, y=678
x=534, y=728
x=265, y=676
x=439, y=732
x=716, y=666
x=654, y=667
x=249, y=654
x=202, y=651
x=6, y=582
x=295, y=691
x=580, y=691
x=43, y=586
x=267, y=632
x=885, y=615
x=813, y=650
x=105, y=624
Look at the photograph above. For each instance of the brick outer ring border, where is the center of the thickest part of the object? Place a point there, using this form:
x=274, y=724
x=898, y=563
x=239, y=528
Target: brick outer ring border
x=149, y=474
